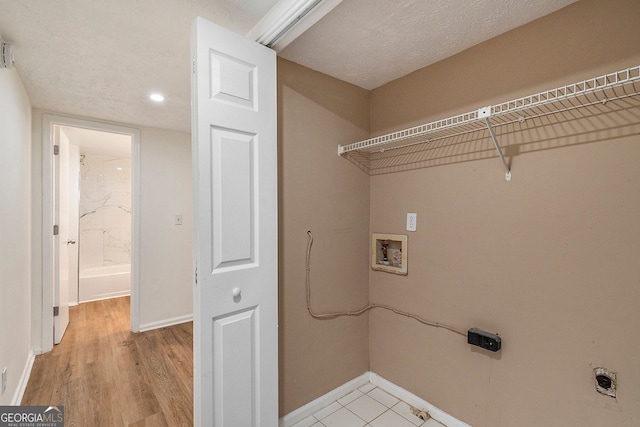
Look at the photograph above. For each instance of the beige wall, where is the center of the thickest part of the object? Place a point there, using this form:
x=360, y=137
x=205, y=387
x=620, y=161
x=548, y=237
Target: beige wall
x=166, y=262
x=320, y=192
x=548, y=260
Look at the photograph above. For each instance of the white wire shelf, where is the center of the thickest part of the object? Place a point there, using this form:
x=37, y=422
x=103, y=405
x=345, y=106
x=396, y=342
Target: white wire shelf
x=597, y=94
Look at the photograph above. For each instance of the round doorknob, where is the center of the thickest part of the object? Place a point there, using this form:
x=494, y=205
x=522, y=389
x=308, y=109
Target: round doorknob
x=236, y=292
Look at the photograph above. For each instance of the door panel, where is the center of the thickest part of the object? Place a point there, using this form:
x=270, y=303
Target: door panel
x=233, y=80
x=235, y=230
x=232, y=157
x=234, y=355
x=74, y=222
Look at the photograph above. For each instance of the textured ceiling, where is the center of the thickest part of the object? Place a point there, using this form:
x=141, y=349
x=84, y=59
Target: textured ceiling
x=101, y=58
x=372, y=42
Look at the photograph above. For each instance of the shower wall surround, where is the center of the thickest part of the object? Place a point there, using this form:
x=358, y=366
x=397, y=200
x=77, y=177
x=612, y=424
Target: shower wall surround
x=105, y=211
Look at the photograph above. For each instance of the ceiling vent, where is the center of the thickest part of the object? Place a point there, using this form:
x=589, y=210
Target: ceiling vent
x=6, y=55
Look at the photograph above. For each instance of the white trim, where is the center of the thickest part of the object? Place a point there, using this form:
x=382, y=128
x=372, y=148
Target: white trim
x=413, y=400
x=166, y=322
x=312, y=407
x=47, y=238
x=24, y=379
x=48, y=121
x=283, y=14
x=135, y=232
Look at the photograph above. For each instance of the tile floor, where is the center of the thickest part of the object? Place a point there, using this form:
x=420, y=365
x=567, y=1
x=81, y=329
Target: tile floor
x=368, y=406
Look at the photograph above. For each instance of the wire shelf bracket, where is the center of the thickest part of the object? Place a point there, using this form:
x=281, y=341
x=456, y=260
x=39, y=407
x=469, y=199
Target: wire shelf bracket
x=507, y=173
x=578, y=95
x=485, y=113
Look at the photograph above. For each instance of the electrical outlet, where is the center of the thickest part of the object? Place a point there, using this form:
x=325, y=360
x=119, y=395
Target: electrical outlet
x=486, y=340
x=412, y=220
x=4, y=379
x=177, y=220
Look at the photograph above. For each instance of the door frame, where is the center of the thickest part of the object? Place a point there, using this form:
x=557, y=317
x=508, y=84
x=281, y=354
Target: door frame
x=48, y=139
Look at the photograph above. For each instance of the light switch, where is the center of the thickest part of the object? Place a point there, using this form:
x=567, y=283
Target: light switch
x=177, y=220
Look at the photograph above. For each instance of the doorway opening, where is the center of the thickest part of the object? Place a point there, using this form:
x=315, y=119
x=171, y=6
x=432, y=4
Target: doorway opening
x=99, y=214
x=90, y=199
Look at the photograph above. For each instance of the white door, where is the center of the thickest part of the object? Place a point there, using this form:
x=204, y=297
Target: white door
x=61, y=241
x=235, y=229
x=74, y=222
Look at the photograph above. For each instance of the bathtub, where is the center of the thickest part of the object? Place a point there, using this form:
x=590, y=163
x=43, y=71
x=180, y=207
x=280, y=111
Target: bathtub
x=105, y=282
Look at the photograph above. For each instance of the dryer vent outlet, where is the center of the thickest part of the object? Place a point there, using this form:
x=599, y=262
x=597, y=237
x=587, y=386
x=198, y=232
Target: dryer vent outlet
x=606, y=381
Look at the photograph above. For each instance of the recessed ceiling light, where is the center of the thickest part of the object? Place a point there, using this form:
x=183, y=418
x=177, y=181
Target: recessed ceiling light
x=156, y=97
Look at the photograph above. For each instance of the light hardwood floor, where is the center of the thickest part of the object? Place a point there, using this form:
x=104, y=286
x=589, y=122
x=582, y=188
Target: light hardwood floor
x=104, y=375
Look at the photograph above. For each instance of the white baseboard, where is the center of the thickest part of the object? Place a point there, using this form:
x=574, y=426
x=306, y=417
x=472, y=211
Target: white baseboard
x=312, y=407
x=413, y=400
x=24, y=379
x=166, y=322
